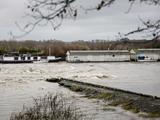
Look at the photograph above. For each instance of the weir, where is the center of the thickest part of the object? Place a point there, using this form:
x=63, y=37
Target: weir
x=128, y=100
x=61, y=80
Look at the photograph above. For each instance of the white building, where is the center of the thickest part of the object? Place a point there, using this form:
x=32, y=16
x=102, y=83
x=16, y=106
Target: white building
x=98, y=56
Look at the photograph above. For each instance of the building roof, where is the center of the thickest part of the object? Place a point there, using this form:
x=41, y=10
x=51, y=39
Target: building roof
x=97, y=52
x=149, y=50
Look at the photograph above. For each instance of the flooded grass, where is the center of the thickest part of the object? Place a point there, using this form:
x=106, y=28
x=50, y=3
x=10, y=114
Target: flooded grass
x=128, y=101
x=107, y=108
x=50, y=108
x=126, y=104
x=104, y=95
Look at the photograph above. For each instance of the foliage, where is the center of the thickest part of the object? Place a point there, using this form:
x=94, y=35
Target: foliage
x=2, y=51
x=25, y=50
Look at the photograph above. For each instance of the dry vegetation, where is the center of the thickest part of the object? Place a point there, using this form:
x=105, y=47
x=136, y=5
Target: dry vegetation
x=59, y=48
x=50, y=108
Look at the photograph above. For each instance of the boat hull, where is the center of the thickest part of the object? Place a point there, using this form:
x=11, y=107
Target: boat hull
x=16, y=62
x=56, y=60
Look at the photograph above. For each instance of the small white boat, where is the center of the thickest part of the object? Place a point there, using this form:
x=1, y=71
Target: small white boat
x=53, y=59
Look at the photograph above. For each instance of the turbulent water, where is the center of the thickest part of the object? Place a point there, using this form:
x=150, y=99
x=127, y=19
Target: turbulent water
x=19, y=83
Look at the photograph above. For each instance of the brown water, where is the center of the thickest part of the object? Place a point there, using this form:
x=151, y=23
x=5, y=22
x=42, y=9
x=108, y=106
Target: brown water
x=19, y=83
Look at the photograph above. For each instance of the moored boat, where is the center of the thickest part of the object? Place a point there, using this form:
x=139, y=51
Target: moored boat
x=143, y=58
x=10, y=59
x=53, y=59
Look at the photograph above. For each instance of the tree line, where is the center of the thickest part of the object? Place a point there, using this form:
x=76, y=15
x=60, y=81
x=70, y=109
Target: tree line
x=59, y=48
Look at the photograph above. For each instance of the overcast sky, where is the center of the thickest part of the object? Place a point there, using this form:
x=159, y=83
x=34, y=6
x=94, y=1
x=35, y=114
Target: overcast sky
x=104, y=24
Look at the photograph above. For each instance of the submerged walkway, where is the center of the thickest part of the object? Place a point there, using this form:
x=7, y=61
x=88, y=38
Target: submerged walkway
x=144, y=105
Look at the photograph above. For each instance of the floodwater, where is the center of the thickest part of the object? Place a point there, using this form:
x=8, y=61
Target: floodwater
x=20, y=83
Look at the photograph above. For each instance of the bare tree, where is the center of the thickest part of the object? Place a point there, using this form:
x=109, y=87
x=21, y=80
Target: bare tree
x=151, y=28
x=55, y=11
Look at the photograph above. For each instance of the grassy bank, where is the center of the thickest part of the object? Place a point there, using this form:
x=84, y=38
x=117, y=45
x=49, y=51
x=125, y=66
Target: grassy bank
x=144, y=105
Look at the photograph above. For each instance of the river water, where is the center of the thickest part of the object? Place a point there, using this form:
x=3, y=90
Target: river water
x=19, y=83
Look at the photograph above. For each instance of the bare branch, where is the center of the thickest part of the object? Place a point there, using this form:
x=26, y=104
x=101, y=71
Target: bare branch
x=54, y=11
x=152, y=28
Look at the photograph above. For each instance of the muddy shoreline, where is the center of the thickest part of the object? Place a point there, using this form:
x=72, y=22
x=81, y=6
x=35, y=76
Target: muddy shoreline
x=143, y=105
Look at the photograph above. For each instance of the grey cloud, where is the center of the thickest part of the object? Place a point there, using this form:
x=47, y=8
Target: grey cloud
x=93, y=25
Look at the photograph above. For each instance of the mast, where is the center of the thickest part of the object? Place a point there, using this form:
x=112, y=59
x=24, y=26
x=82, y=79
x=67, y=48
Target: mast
x=49, y=51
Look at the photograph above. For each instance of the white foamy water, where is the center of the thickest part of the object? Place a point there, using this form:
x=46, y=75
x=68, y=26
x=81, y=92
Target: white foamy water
x=19, y=83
